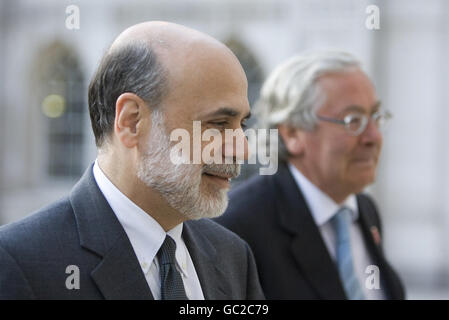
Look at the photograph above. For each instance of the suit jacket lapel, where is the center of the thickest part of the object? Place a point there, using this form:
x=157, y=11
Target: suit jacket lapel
x=204, y=256
x=307, y=245
x=372, y=238
x=369, y=228
x=118, y=275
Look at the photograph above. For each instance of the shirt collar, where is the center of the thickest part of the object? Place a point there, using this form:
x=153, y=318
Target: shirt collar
x=145, y=234
x=322, y=207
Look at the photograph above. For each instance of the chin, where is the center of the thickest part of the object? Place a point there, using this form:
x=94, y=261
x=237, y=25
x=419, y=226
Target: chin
x=362, y=183
x=208, y=206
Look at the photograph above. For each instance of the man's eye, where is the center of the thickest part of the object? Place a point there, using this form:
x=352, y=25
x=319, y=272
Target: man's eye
x=220, y=123
x=223, y=124
x=355, y=120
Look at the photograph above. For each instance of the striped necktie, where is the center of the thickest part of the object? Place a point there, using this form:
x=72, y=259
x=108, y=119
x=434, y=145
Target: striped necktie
x=341, y=223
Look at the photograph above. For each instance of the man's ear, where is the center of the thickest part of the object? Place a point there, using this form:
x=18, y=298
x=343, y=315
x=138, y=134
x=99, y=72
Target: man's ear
x=293, y=139
x=129, y=110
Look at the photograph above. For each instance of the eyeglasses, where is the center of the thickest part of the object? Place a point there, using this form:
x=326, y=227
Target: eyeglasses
x=356, y=123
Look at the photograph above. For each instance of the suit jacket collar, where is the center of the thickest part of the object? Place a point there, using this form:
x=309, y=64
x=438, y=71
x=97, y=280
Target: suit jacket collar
x=214, y=282
x=307, y=245
x=373, y=240
x=118, y=275
x=369, y=229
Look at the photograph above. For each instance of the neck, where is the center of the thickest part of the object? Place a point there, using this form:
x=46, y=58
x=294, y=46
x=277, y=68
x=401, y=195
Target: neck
x=123, y=176
x=337, y=193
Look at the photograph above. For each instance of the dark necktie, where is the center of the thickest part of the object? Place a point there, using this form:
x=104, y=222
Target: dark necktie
x=172, y=287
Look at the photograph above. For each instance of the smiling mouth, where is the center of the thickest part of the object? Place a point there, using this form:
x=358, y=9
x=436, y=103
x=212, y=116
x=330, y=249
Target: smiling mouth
x=223, y=181
x=366, y=161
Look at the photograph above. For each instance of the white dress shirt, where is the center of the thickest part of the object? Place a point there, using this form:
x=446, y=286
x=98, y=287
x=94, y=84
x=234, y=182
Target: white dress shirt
x=146, y=237
x=323, y=208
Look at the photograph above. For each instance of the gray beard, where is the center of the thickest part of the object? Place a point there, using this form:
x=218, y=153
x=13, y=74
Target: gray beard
x=180, y=184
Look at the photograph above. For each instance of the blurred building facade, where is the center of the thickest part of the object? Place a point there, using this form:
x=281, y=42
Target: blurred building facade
x=45, y=136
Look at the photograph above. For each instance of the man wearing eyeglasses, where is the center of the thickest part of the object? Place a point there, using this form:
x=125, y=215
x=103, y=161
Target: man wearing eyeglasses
x=314, y=235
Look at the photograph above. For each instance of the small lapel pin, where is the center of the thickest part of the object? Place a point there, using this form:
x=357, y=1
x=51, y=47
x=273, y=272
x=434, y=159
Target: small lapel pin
x=376, y=235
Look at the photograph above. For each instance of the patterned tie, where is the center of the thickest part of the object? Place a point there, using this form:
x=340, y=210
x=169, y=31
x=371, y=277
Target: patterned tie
x=172, y=287
x=341, y=223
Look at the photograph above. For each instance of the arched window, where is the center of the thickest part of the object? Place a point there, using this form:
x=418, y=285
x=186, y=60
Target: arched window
x=61, y=94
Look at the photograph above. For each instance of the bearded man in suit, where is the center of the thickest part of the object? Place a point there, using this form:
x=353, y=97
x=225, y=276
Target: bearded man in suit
x=133, y=227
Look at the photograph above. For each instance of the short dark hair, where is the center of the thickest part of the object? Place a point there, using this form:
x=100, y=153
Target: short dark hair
x=132, y=68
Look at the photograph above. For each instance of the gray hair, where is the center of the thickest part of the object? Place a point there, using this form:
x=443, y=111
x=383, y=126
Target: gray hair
x=133, y=68
x=291, y=94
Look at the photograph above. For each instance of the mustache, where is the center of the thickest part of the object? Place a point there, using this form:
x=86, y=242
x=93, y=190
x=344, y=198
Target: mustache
x=232, y=170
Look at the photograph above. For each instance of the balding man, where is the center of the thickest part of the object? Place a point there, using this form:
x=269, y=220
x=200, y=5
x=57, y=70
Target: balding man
x=132, y=227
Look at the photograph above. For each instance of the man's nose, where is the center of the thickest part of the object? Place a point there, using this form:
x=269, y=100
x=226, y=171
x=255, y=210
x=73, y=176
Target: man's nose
x=236, y=146
x=372, y=133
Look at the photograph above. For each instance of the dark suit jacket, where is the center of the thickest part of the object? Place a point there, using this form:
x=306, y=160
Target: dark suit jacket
x=270, y=213
x=82, y=230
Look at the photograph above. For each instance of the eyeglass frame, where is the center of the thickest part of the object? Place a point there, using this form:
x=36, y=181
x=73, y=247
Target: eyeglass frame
x=380, y=114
